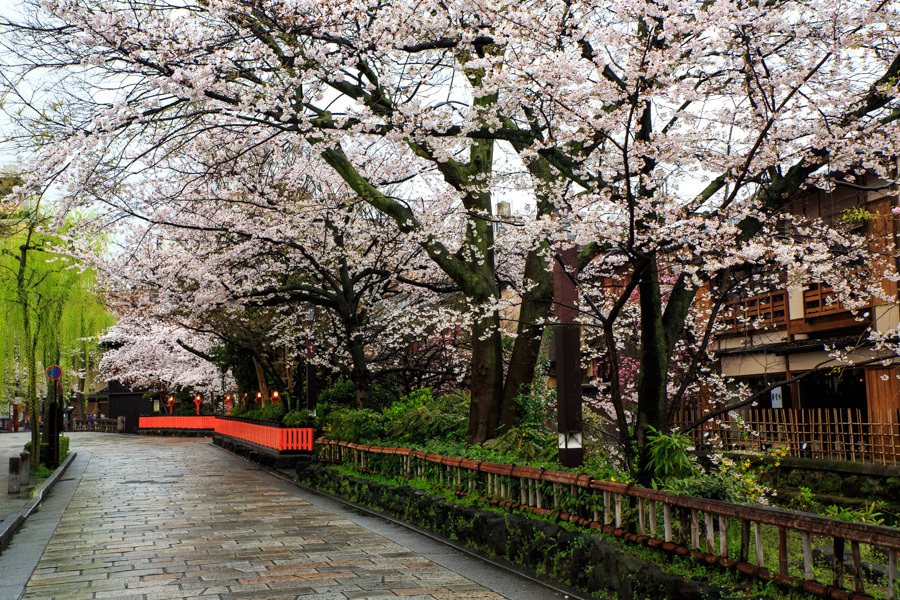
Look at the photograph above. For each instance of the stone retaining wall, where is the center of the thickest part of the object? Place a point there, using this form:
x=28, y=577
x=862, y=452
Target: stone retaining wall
x=582, y=560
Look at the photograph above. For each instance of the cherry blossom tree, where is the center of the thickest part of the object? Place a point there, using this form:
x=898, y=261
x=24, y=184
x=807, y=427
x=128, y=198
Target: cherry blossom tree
x=658, y=138
x=248, y=270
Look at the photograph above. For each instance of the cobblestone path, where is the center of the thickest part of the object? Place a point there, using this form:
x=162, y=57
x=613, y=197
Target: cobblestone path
x=157, y=518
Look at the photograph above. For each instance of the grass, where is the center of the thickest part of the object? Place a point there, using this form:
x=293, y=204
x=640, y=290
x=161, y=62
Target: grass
x=41, y=472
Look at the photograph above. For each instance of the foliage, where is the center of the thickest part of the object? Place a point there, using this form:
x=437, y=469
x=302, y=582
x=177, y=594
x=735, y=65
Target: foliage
x=532, y=438
x=45, y=450
x=805, y=500
x=229, y=357
x=669, y=456
x=40, y=472
x=342, y=392
x=272, y=411
x=525, y=443
x=419, y=417
x=297, y=418
x=728, y=480
x=869, y=513
x=351, y=425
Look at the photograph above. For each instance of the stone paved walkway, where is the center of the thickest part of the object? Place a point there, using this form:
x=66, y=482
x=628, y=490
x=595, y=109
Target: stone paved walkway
x=157, y=518
x=11, y=444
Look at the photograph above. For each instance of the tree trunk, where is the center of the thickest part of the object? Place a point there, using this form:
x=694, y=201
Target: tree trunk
x=34, y=409
x=654, y=364
x=359, y=373
x=526, y=349
x=261, y=380
x=487, y=379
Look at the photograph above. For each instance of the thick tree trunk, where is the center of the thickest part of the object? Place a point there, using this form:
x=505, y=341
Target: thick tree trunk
x=526, y=349
x=651, y=410
x=487, y=379
x=359, y=373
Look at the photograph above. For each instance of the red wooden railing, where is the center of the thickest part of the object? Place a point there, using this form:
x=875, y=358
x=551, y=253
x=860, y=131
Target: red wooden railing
x=186, y=422
x=268, y=435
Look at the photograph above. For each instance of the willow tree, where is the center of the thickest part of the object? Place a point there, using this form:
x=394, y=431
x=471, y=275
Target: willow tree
x=49, y=311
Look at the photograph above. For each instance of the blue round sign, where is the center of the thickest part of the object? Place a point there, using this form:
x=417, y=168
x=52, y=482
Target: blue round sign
x=54, y=372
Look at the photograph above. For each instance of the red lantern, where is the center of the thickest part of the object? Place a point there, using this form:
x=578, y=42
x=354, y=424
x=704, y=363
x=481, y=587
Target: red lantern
x=197, y=402
x=275, y=397
x=228, y=401
x=171, y=403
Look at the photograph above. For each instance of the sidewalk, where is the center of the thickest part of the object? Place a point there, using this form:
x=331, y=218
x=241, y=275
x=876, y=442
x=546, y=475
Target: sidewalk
x=11, y=445
x=159, y=518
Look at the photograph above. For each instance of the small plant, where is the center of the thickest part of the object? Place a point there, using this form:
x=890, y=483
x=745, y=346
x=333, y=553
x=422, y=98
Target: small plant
x=805, y=501
x=668, y=455
x=869, y=513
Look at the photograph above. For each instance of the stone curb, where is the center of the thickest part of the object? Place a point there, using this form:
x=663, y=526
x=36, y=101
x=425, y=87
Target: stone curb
x=12, y=523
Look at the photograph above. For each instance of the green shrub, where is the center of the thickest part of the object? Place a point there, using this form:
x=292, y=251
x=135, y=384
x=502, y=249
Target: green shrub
x=45, y=449
x=729, y=481
x=270, y=412
x=343, y=393
x=419, y=417
x=339, y=393
x=352, y=425
x=297, y=418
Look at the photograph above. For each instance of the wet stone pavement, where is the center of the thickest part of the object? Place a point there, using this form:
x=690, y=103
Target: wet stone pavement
x=156, y=518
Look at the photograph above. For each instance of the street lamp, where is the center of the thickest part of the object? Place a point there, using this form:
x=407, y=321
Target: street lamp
x=198, y=400
x=275, y=399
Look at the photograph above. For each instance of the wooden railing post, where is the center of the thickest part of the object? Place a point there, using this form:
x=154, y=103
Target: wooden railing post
x=837, y=563
x=806, y=543
x=857, y=566
x=893, y=579
x=667, y=521
x=782, y=551
x=695, y=529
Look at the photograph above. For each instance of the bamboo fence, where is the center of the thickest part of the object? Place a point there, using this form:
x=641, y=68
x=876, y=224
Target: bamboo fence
x=825, y=433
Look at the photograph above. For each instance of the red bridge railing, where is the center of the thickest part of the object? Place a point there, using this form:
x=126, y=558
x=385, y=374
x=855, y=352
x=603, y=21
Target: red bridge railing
x=268, y=435
x=186, y=422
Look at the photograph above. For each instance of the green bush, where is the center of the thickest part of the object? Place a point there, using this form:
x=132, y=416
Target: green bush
x=420, y=418
x=45, y=449
x=730, y=481
x=351, y=425
x=339, y=393
x=297, y=418
x=270, y=412
x=343, y=393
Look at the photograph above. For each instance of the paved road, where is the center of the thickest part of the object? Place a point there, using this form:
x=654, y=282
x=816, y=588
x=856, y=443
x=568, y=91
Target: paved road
x=157, y=518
